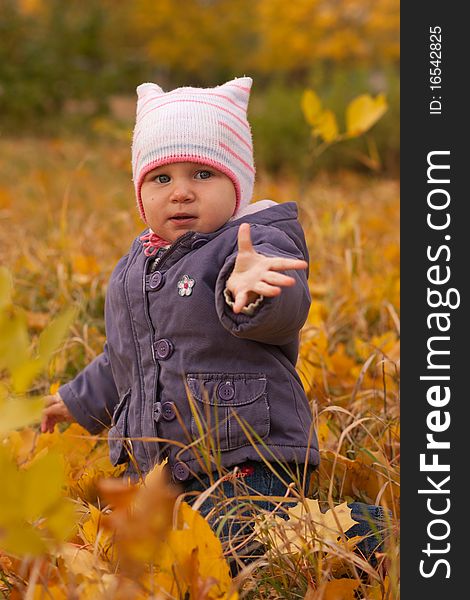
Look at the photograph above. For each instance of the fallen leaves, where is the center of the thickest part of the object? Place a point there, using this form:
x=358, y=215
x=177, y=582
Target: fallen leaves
x=353, y=320
x=34, y=508
x=368, y=477
x=306, y=528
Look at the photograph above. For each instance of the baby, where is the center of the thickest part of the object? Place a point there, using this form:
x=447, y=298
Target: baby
x=200, y=305
x=204, y=312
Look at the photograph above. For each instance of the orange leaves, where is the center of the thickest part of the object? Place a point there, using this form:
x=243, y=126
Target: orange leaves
x=341, y=370
x=369, y=477
x=146, y=527
x=293, y=35
x=141, y=543
x=138, y=528
x=336, y=589
x=192, y=556
x=32, y=513
x=349, y=366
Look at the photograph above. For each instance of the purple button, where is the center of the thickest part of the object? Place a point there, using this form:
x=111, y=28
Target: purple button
x=155, y=280
x=181, y=471
x=168, y=411
x=163, y=349
x=226, y=391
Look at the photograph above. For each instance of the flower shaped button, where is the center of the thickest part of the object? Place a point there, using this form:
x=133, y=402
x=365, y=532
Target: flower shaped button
x=185, y=286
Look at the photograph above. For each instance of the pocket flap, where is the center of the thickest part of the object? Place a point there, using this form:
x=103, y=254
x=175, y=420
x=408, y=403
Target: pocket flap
x=226, y=389
x=120, y=411
x=118, y=431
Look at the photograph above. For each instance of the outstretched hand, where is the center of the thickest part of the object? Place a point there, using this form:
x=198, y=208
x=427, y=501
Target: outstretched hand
x=55, y=411
x=255, y=274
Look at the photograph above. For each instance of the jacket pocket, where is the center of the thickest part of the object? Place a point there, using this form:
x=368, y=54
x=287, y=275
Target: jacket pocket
x=116, y=435
x=222, y=397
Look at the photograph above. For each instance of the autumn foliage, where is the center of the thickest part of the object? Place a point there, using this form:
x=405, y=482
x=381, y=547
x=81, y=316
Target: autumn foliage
x=69, y=526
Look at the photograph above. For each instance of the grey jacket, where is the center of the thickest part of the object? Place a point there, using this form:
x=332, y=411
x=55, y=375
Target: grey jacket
x=183, y=376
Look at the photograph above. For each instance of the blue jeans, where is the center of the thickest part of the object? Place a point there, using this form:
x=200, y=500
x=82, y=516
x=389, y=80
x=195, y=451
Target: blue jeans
x=231, y=523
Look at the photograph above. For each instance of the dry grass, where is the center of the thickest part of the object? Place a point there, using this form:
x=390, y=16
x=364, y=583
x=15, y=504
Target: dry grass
x=67, y=213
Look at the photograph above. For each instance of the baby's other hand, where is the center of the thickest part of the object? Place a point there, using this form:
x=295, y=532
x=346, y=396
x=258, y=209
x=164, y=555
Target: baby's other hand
x=55, y=411
x=256, y=274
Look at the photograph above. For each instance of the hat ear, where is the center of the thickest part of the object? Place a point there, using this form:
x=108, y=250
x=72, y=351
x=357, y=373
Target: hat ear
x=239, y=89
x=146, y=88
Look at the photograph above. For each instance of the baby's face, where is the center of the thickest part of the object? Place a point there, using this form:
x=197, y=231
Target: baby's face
x=187, y=196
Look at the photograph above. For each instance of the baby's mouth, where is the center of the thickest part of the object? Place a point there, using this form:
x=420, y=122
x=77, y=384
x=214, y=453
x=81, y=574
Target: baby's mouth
x=182, y=219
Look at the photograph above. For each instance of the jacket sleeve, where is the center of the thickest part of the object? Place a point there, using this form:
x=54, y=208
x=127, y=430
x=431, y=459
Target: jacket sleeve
x=92, y=395
x=279, y=319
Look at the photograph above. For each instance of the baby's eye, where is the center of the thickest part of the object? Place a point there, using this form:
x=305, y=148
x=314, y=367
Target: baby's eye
x=204, y=174
x=162, y=178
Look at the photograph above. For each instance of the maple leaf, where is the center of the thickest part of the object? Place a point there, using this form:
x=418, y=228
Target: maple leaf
x=306, y=527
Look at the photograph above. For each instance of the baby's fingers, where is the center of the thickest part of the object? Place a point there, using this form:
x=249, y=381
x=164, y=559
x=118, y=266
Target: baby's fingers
x=239, y=301
x=264, y=289
x=284, y=264
x=244, y=238
x=47, y=424
x=274, y=278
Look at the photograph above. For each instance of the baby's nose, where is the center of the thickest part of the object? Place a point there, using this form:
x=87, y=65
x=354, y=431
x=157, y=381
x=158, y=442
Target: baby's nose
x=182, y=193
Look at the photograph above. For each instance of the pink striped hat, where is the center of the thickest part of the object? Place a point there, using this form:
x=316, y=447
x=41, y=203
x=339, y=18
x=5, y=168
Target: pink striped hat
x=203, y=125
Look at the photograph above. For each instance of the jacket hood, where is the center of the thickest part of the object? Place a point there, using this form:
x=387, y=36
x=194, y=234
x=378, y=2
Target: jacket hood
x=267, y=212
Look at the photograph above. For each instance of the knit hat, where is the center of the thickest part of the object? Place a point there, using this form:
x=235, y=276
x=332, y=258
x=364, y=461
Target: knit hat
x=202, y=125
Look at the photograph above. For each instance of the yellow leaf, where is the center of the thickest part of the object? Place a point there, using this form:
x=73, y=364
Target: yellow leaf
x=340, y=589
x=93, y=532
x=311, y=106
x=306, y=526
x=21, y=538
x=81, y=562
x=42, y=485
x=30, y=498
x=20, y=444
x=194, y=533
x=53, y=334
x=13, y=334
x=19, y=412
x=363, y=112
x=326, y=126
